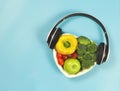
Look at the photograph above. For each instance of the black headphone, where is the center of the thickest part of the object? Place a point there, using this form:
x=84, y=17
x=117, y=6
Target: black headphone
x=103, y=49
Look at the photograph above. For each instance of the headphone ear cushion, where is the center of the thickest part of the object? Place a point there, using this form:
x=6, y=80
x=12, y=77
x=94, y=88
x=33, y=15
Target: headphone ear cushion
x=100, y=53
x=53, y=37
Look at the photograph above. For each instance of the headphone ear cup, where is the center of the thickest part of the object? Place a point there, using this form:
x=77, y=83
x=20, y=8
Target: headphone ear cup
x=106, y=53
x=53, y=37
x=100, y=53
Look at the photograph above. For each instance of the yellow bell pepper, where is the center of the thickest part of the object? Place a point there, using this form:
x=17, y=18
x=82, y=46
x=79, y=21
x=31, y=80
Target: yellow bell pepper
x=66, y=44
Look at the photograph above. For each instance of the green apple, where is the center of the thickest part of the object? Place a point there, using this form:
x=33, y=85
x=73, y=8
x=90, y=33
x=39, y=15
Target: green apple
x=72, y=66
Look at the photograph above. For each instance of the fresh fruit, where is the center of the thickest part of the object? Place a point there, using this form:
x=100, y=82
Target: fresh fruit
x=60, y=61
x=64, y=57
x=59, y=55
x=72, y=66
x=74, y=55
x=66, y=44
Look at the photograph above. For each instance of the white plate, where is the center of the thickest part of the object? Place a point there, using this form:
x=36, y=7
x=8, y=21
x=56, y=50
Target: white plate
x=65, y=73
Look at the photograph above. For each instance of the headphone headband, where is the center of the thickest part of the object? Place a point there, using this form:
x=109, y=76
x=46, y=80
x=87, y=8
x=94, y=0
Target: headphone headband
x=55, y=33
x=88, y=16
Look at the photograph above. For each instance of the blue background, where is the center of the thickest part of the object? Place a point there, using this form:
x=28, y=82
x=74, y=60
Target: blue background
x=26, y=62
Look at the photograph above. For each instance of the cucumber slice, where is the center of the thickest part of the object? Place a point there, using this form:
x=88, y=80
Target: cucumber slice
x=83, y=40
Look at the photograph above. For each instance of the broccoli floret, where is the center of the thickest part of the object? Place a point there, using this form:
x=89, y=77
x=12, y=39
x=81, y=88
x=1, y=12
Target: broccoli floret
x=92, y=47
x=86, y=51
x=80, y=57
x=81, y=49
x=88, y=60
x=88, y=56
x=86, y=64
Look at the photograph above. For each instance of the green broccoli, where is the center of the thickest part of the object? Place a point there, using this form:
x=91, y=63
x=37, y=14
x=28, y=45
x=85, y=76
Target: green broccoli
x=92, y=47
x=86, y=64
x=86, y=51
x=81, y=49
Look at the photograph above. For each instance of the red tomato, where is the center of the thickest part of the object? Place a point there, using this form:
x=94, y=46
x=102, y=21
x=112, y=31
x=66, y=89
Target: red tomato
x=60, y=61
x=74, y=55
x=64, y=57
x=59, y=55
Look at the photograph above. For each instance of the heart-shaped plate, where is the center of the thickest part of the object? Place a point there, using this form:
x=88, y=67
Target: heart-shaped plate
x=70, y=75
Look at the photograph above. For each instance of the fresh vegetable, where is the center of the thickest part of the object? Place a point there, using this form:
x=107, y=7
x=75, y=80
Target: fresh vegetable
x=83, y=40
x=72, y=66
x=87, y=60
x=60, y=59
x=81, y=49
x=66, y=44
x=86, y=51
x=74, y=55
x=86, y=64
x=65, y=57
x=92, y=47
x=59, y=55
